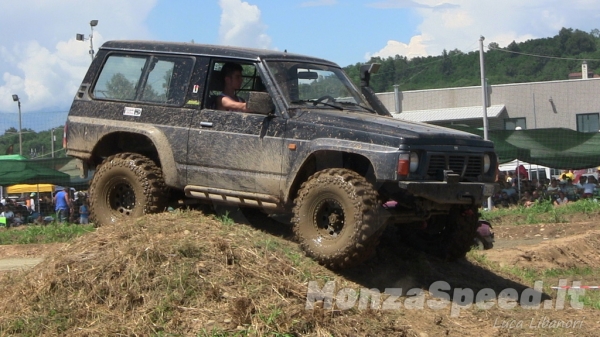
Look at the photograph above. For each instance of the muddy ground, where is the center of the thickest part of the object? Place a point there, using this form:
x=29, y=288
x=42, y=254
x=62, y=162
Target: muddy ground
x=536, y=248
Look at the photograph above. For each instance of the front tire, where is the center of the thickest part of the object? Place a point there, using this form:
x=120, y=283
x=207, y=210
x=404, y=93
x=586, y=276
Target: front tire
x=336, y=218
x=126, y=186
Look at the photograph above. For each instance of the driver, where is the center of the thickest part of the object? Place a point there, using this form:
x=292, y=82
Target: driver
x=232, y=82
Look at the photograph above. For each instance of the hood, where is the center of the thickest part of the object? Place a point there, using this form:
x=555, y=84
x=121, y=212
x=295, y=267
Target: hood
x=377, y=127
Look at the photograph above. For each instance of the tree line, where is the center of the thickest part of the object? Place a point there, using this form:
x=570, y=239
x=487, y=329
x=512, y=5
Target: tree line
x=544, y=59
x=35, y=144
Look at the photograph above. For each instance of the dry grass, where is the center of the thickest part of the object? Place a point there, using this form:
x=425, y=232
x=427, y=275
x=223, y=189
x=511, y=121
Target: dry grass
x=187, y=274
x=166, y=274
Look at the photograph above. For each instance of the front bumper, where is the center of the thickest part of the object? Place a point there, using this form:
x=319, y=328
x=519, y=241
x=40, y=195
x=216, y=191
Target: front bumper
x=449, y=192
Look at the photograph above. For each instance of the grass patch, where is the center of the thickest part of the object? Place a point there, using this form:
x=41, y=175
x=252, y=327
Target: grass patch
x=550, y=277
x=51, y=233
x=542, y=212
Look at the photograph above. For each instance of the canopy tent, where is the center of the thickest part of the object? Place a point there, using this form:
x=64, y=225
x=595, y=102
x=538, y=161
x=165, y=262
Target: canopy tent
x=556, y=148
x=16, y=169
x=28, y=188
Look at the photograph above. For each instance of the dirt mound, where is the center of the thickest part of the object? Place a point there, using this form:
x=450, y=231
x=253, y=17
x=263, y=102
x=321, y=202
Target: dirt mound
x=184, y=273
x=581, y=250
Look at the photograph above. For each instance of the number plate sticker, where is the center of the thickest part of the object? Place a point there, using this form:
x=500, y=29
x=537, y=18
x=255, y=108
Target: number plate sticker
x=135, y=112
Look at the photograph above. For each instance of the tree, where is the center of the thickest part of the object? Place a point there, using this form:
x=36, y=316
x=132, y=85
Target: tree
x=120, y=88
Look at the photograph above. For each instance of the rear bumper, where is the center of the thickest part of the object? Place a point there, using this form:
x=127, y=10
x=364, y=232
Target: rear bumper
x=450, y=193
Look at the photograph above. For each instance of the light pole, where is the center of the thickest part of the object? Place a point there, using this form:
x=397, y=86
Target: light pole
x=81, y=37
x=16, y=99
x=52, y=141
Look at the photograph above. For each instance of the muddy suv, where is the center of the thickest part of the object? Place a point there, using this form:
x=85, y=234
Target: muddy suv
x=314, y=146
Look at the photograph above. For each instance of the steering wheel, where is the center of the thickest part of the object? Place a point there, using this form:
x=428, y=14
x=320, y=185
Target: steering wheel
x=323, y=98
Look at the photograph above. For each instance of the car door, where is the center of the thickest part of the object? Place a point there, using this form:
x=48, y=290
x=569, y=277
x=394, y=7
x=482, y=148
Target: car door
x=236, y=151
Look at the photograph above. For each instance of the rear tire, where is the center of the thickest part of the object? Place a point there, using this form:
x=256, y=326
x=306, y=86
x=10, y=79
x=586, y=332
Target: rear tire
x=336, y=218
x=126, y=186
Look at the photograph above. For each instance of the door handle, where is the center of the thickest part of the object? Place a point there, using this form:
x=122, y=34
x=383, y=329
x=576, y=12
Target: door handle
x=206, y=124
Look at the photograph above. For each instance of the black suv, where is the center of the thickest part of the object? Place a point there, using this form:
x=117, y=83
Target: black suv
x=315, y=147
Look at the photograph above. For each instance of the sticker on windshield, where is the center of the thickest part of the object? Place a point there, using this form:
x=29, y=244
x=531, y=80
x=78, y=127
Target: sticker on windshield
x=135, y=112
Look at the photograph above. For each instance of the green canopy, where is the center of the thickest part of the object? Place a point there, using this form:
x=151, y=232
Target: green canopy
x=557, y=147
x=16, y=169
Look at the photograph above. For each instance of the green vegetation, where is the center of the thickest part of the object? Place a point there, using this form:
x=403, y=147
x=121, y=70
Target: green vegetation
x=550, y=277
x=543, y=212
x=38, y=142
x=557, y=57
x=54, y=232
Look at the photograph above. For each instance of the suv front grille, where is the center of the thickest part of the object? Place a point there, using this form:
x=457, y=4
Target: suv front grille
x=468, y=167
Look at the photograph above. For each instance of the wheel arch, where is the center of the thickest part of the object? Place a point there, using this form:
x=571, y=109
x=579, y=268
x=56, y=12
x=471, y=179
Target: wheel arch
x=324, y=159
x=143, y=143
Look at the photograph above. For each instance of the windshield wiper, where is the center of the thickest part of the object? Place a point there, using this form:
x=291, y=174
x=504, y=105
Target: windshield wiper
x=358, y=105
x=313, y=101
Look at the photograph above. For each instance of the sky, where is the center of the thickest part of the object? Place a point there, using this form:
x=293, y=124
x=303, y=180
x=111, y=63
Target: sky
x=42, y=62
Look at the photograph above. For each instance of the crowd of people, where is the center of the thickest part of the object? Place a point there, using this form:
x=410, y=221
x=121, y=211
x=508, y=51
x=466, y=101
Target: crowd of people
x=558, y=190
x=61, y=207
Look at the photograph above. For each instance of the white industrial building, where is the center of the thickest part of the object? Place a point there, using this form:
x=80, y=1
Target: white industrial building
x=572, y=104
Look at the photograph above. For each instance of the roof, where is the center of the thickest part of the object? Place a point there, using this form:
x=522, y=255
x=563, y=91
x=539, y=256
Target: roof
x=450, y=114
x=209, y=50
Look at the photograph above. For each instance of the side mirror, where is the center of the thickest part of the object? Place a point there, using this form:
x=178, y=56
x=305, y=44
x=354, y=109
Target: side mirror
x=365, y=73
x=260, y=102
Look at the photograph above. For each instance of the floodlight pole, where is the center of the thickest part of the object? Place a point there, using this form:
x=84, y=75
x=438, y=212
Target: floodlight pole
x=52, y=141
x=93, y=23
x=483, y=89
x=81, y=37
x=484, y=96
x=16, y=99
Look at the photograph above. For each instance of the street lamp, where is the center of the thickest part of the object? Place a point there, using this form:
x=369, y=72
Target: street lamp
x=81, y=37
x=16, y=99
x=52, y=139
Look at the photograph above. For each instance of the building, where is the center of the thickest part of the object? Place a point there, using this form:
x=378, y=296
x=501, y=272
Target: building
x=572, y=104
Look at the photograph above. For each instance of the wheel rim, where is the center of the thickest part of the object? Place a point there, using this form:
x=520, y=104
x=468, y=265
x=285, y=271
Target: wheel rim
x=121, y=198
x=329, y=218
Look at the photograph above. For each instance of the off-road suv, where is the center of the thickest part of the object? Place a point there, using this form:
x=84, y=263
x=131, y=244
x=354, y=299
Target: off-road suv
x=314, y=146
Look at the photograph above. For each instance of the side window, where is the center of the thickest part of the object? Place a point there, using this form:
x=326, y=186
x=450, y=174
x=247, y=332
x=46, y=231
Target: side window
x=144, y=78
x=119, y=78
x=251, y=81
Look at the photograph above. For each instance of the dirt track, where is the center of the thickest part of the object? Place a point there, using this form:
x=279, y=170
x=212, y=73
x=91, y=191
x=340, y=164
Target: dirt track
x=537, y=247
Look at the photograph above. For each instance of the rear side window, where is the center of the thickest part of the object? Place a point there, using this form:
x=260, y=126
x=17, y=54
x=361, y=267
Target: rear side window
x=145, y=78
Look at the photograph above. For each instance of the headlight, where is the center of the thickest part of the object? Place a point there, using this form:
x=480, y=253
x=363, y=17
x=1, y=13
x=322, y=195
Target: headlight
x=414, y=162
x=486, y=163
x=408, y=163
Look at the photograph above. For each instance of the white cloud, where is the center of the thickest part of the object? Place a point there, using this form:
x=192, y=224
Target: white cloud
x=458, y=24
x=241, y=25
x=413, y=49
x=41, y=61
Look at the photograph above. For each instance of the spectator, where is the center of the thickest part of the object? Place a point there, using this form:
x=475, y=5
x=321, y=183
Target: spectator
x=84, y=212
x=570, y=190
x=589, y=186
x=31, y=203
x=8, y=214
x=510, y=192
x=527, y=200
x=62, y=205
x=553, y=188
x=561, y=200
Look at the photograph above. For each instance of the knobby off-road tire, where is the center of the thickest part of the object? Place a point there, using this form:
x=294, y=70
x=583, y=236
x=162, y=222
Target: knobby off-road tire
x=462, y=229
x=337, y=218
x=126, y=185
x=482, y=243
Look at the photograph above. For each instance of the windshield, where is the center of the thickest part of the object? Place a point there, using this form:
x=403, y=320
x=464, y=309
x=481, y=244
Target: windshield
x=315, y=84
